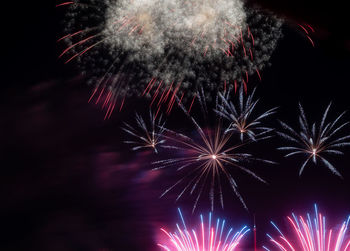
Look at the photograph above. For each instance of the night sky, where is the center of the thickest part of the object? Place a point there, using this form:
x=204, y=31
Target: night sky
x=70, y=183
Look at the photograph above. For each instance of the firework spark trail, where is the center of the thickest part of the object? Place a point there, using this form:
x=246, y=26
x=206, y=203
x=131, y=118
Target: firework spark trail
x=312, y=235
x=146, y=136
x=63, y=4
x=210, y=157
x=307, y=29
x=316, y=141
x=113, y=84
x=192, y=43
x=210, y=236
x=241, y=116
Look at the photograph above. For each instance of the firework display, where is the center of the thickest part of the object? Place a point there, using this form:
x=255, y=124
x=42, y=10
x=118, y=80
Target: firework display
x=206, y=159
x=241, y=116
x=315, y=141
x=146, y=136
x=200, y=59
x=162, y=48
x=311, y=234
x=212, y=235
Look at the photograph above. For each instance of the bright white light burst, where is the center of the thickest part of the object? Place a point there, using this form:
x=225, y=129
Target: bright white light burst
x=166, y=22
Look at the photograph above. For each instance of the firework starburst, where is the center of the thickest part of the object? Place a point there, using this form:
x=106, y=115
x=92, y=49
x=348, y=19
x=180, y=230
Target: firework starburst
x=316, y=141
x=207, y=236
x=208, y=157
x=311, y=234
x=242, y=117
x=146, y=135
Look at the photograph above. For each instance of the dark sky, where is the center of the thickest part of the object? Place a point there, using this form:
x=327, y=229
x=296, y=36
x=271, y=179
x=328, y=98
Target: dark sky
x=69, y=183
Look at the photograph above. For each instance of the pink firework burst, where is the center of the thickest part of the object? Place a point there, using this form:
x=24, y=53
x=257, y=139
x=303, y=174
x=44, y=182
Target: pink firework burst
x=211, y=236
x=311, y=234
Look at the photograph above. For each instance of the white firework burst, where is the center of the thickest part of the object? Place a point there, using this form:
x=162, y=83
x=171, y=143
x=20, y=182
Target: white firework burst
x=146, y=135
x=162, y=23
x=159, y=49
x=242, y=117
x=316, y=141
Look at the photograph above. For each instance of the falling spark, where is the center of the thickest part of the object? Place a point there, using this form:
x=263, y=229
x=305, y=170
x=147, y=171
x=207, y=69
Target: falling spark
x=307, y=29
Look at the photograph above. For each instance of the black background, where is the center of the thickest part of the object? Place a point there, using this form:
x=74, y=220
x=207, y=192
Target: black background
x=69, y=183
